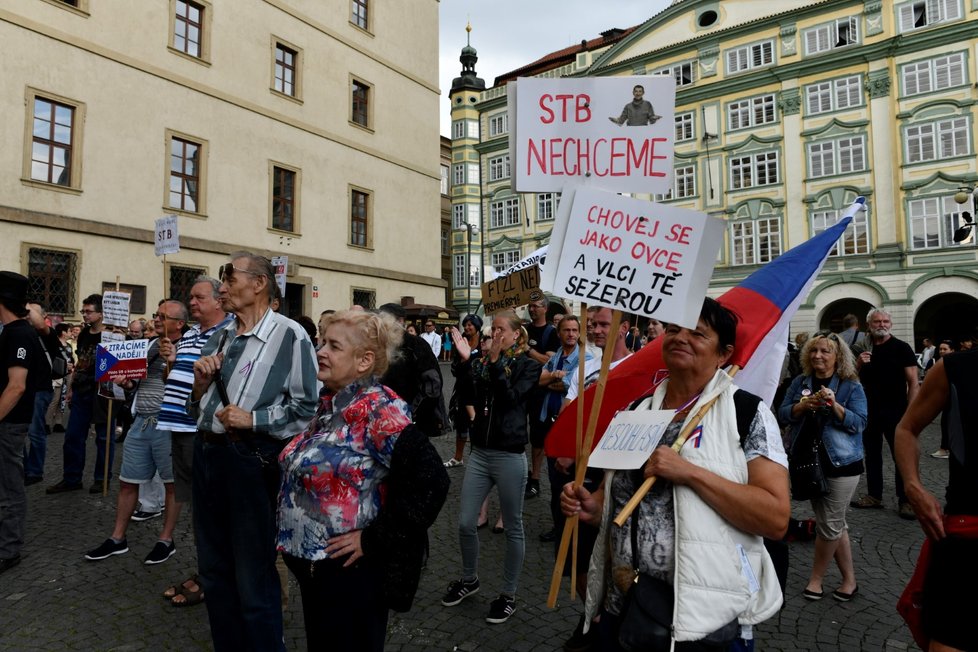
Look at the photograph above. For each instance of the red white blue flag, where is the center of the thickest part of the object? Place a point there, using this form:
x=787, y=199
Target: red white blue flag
x=764, y=303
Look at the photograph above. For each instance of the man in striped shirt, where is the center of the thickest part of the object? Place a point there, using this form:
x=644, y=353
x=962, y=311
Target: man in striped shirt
x=254, y=388
x=206, y=309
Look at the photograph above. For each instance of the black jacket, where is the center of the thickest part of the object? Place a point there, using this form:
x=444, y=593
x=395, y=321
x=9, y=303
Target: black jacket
x=417, y=486
x=501, y=404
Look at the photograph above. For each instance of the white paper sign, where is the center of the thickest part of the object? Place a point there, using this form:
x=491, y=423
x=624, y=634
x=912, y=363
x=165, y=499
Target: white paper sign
x=630, y=439
x=167, y=236
x=632, y=255
x=115, y=309
x=281, y=265
x=610, y=132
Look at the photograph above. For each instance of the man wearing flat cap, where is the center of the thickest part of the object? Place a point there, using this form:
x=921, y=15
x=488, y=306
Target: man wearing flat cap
x=20, y=356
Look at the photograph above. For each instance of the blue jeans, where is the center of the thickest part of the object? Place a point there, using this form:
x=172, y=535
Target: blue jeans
x=76, y=435
x=38, y=436
x=507, y=471
x=234, y=520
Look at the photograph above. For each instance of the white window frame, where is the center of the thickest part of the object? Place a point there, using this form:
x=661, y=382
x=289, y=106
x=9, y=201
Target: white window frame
x=834, y=94
x=837, y=156
x=684, y=182
x=748, y=171
x=503, y=260
x=458, y=129
x=444, y=185
x=498, y=124
x=938, y=140
x=459, y=263
x=829, y=36
x=755, y=241
x=684, y=73
x=932, y=222
x=855, y=240
x=504, y=213
x=685, y=126
x=458, y=174
x=749, y=57
x=499, y=168
x=458, y=216
x=751, y=112
x=547, y=206
x=926, y=13
x=935, y=74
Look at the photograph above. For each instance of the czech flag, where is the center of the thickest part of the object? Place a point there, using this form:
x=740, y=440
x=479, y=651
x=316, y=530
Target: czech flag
x=764, y=303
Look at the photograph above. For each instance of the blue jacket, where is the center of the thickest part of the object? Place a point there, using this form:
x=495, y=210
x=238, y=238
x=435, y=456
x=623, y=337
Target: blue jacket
x=843, y=441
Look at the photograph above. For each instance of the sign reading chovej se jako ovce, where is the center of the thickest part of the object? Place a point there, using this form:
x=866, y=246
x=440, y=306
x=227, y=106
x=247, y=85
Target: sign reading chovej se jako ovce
x=616, y=133
x=631, y=255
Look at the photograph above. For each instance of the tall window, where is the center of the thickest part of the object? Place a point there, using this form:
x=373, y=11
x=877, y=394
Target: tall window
x=358, y=13
x=923, y=13
x=854, y=241
x=937, y=140
x=458, y=174
x=283, y=198
x=499, y=168
x=684, y=182
x=444, y=180
x=458, y=216
x=498, y=124
x=829, y=36
x=359, y=216
x=546, y=206
x=933, y=221
x=458, y=129
x=504, y=213
x=684, y=126
x=754, y=170
x=459, y=270
x=286, y=60
x=51, y=149
x=444, y=242
x=188, y=27
x=184, y=175
x=750, y=56
x=840, y=156
x=834, y=95
x=361, y=103
x=51, y=276
x=754, y=242
x=933, y=74
x=750, y=112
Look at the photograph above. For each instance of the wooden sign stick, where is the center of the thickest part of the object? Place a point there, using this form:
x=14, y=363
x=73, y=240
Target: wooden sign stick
x=578, y=434
x=109, y=433
x=584, y=453
x=677, y=445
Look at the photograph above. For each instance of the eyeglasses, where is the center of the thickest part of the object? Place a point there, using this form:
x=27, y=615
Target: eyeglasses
x=227, y=270
x=828, y=335
x=161, y=316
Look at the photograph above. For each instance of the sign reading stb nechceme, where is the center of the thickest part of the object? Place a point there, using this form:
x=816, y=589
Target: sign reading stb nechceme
x=125, y=360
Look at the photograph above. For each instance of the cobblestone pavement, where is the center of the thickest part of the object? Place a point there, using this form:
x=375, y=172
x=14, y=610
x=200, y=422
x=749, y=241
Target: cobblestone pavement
x=56, y=600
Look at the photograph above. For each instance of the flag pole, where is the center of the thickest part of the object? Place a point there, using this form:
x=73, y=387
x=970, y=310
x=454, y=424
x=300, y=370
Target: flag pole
x=677, y=446
x=109, y=433
x=584, y=452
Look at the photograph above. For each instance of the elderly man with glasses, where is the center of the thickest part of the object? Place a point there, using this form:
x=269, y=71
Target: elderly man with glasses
x=254, y=389
x=87, y=407
x=147, y=448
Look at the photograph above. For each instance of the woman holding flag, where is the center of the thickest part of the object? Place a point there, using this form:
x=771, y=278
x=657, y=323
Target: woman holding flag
x=692, y=553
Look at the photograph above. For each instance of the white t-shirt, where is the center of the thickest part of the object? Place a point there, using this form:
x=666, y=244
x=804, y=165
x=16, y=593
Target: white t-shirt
x=434, y=341
x=592, y=369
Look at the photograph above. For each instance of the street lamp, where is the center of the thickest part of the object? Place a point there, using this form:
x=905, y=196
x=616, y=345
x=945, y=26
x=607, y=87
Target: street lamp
x=961, y=196
x=470, y=230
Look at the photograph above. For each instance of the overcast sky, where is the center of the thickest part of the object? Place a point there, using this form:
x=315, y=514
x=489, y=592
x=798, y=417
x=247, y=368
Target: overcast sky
x=509, y=34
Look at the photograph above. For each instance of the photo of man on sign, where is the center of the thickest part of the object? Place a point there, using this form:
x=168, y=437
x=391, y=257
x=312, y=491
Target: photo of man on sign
x=638, y=112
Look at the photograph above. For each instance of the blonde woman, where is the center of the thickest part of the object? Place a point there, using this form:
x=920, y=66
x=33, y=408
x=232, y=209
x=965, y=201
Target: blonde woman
x=503, y=378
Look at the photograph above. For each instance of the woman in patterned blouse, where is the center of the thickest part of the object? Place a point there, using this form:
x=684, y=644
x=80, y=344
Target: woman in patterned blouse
x=332, y=484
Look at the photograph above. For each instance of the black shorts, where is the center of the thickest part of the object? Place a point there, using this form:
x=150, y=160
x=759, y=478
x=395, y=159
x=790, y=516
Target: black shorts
x=538, y=431
x=950, y=602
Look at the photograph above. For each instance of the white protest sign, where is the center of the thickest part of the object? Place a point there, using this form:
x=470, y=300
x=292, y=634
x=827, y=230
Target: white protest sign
x=609, y=132
x=538, y=257
x=630, y=439
x=281, y=265
x=115, y=309
x=635, y=256
x=167, y=236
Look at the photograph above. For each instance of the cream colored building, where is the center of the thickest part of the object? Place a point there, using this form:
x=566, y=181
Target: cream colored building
x=288, y=127
x=785, y=112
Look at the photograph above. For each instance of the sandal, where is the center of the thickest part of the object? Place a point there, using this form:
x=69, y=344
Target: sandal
x=190, y=598
x=178, y=589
